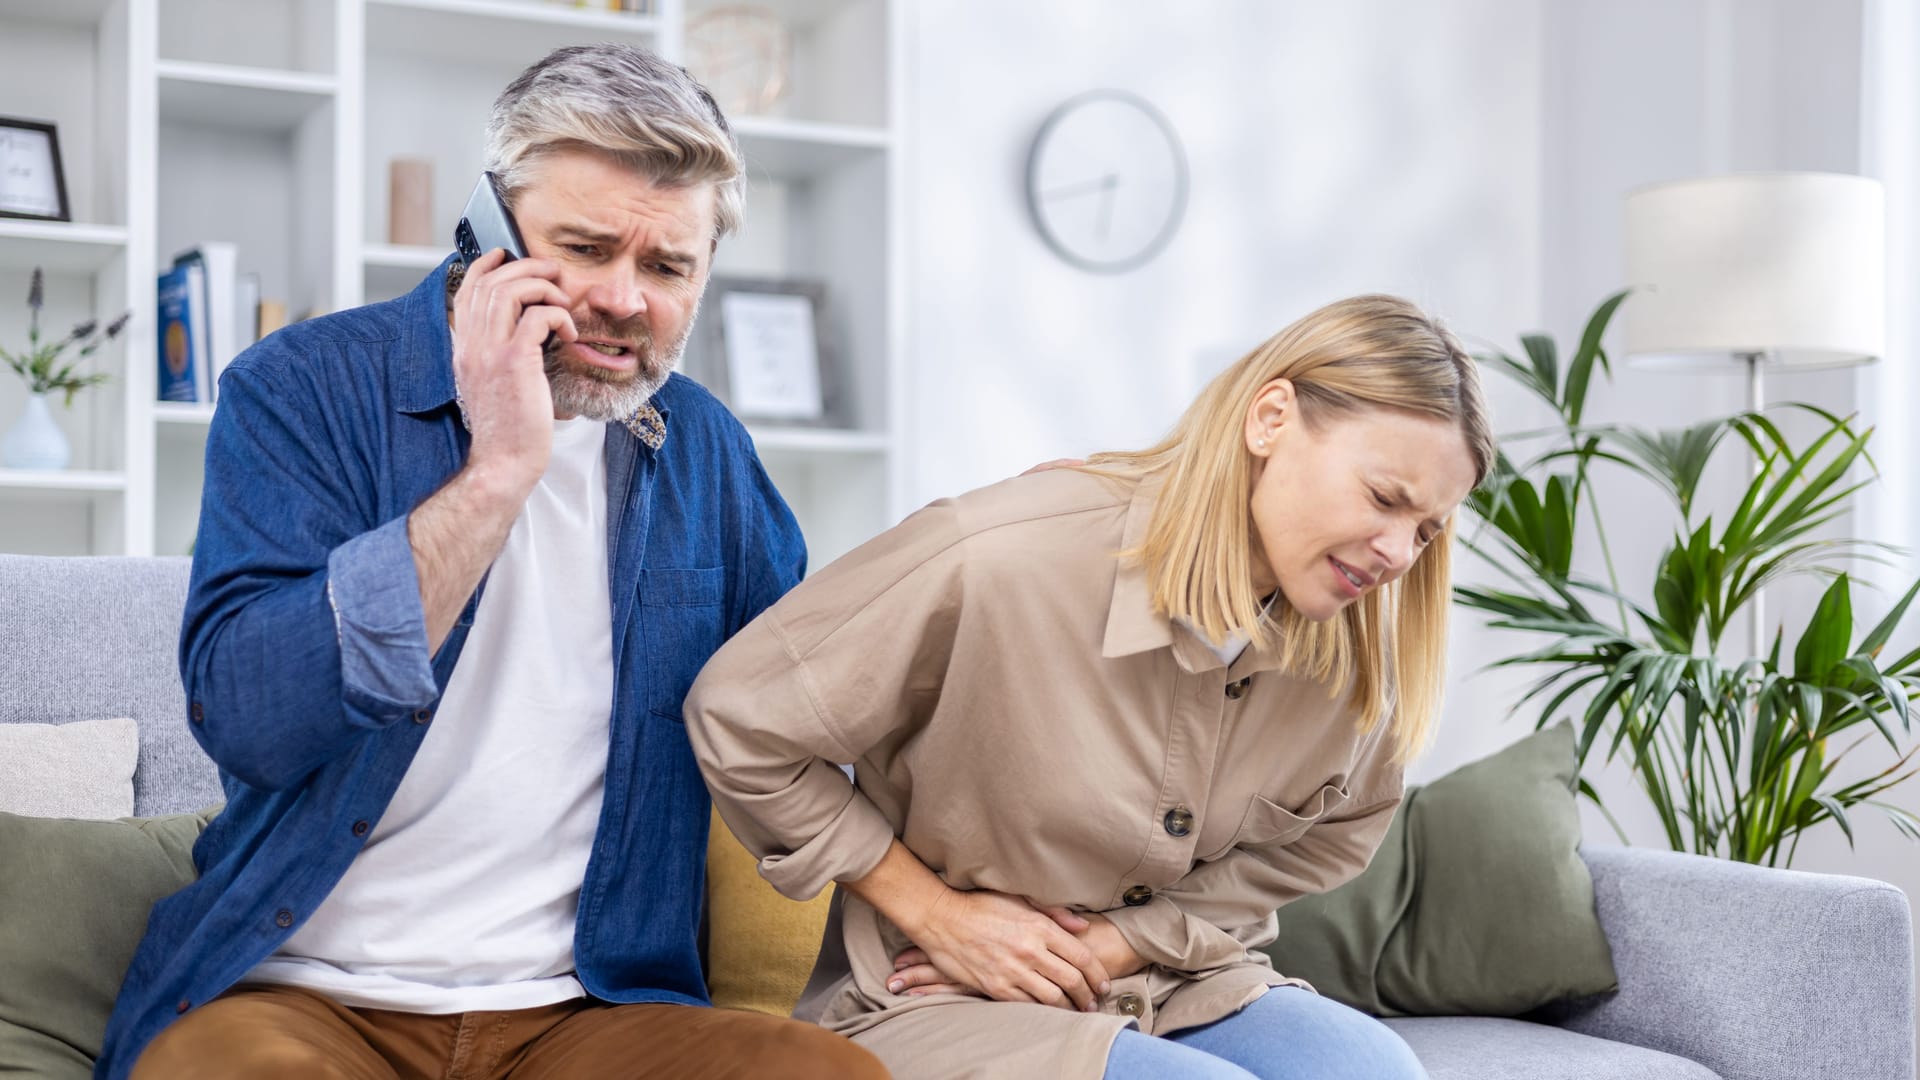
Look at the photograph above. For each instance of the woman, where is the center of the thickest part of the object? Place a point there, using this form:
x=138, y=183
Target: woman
x=1105, y=720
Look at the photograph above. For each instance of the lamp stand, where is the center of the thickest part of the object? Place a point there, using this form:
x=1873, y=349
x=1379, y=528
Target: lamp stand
x=1757, y=400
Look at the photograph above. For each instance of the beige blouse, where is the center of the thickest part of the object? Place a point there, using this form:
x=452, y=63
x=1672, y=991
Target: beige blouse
x=1018, y=715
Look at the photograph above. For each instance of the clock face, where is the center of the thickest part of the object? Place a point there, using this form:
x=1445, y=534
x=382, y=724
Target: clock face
x=1107, y=181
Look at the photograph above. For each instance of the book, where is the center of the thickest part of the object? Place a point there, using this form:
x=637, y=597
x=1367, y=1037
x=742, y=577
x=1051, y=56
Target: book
x=246, y=310
x=178, y=374
x=217, y=260
x=199, y=332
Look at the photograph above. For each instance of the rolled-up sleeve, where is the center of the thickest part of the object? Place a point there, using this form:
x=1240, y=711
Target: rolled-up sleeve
x=852, y=655
x=1204, y=920
x=373, y=587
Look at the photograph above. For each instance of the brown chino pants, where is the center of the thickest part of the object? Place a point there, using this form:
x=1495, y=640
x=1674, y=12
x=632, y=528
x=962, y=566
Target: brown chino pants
x=289, y=1034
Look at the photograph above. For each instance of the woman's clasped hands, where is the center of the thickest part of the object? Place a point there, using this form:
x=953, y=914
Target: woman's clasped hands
x=993, y=945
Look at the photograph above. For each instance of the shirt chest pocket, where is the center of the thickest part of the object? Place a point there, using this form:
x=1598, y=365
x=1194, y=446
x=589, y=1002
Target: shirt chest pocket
x=1268, y=824
x=682, y=623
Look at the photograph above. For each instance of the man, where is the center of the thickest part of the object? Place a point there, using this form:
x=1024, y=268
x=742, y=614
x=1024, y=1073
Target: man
x=460, y=557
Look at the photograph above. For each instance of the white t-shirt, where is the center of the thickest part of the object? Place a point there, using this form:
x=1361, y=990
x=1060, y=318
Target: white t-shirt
x=465, y=895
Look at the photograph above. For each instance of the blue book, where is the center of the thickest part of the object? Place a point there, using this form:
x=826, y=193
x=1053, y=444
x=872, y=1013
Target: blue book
x=179, y=366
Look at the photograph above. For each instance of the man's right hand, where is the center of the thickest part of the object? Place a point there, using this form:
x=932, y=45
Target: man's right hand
x=502, y=316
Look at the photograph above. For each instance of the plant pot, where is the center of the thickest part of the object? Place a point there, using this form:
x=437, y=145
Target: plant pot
x=36, y=442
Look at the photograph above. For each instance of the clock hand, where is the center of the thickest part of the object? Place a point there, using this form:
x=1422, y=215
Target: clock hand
x=1106, y=207
x=1084, y=187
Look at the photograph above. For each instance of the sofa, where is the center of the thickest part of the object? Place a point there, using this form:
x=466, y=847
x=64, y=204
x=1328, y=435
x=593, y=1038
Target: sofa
x=1724, y=970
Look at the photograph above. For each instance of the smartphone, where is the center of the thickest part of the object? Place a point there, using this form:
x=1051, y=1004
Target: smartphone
x=487, y=224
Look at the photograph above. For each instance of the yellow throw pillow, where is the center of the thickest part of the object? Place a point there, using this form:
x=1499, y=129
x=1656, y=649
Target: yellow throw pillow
x=760, y=945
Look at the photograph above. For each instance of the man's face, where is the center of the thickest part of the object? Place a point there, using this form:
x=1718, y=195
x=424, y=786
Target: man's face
x=634, y=258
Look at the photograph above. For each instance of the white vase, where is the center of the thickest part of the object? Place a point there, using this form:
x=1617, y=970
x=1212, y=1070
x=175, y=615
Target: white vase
x=36, y=442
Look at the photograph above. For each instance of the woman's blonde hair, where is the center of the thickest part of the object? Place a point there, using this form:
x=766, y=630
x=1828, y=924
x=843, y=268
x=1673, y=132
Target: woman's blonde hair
x=1388, y=649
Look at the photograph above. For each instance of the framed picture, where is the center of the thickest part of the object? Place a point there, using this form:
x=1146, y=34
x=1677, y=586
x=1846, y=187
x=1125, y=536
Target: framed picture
x=762, y=347
x=31, y=183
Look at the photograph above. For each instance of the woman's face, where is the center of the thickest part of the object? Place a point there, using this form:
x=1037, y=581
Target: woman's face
x=1345, y=506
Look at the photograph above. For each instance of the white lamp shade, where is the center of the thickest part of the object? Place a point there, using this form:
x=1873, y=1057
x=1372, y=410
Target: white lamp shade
x=1790, y=267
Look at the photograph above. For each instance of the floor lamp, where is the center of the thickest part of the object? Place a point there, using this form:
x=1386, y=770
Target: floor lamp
x=1757, y=272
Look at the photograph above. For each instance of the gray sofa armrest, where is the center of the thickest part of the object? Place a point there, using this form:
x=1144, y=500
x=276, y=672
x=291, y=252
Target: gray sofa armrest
x=1757, y=974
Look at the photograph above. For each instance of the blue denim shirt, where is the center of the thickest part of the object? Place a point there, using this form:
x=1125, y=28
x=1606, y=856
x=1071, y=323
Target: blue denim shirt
x=308, y=679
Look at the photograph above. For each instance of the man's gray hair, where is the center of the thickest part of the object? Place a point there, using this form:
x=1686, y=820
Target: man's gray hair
x=624, y=102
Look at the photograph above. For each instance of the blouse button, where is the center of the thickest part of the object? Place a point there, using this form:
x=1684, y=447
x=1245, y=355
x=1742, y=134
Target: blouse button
x=1238, y=690
x=1179, y=821
x=1131, y=1005
x=1136, y=896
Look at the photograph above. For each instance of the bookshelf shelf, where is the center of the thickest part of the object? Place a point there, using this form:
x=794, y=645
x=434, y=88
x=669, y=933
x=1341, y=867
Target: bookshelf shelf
x=240, y=98
x=790, y=441
x=800, y=149
x=62, y=483
x=181, y=413
x=403, y=256
x=59, y=246
x=503, y=31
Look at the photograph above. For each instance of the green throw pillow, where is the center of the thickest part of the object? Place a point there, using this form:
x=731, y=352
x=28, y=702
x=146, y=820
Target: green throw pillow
x=1477, y=904
x=74, y=898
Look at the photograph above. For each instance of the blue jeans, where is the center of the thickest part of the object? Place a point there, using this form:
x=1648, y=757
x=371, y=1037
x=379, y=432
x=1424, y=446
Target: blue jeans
x=1288, y=1034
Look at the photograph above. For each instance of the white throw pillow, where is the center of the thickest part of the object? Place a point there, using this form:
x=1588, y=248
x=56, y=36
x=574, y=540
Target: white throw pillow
x=82, y=769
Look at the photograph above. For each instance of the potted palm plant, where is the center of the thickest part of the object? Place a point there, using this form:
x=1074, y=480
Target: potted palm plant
x=36, y=442
x=1739, y=755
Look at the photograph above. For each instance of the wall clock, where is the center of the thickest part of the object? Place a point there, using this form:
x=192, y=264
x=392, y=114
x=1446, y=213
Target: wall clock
x=1107, y=181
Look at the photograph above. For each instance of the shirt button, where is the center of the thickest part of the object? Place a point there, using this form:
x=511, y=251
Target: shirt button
x=183, y=1006
x=360, y=828
x=283, y=918
x=1136, y=896
x=199, y=714
x=423, y=716
x=1131, y=1005
x=1238, y=690
x=1179, y=821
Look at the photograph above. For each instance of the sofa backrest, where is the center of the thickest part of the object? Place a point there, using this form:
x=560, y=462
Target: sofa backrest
x=91, y=638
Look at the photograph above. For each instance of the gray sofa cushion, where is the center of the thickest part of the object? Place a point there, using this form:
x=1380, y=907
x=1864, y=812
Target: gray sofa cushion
x=94, y=637
x=1476, y=1048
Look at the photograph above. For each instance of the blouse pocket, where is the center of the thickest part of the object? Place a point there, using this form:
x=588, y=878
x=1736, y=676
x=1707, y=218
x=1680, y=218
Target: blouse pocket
x=1268, y=824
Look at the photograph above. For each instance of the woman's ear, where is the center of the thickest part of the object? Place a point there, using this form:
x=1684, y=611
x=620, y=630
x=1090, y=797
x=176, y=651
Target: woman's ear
x=1272, y=409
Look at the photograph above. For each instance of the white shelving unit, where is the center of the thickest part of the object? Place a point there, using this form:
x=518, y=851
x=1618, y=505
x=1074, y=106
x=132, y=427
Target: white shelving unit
x=271, y=124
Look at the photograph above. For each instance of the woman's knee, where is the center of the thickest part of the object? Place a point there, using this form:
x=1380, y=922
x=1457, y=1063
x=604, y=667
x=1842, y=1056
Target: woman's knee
x=1139, y=1056
x=1376, y=1051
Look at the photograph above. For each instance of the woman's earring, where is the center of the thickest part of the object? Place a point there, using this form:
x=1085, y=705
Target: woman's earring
x=1259, y=444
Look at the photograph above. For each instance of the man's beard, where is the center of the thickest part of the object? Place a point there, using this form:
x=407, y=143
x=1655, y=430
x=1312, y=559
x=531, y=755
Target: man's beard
x=595, y=393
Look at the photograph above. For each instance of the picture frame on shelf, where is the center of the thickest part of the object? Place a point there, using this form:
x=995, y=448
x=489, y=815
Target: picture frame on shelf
x=32, y=183
x=765, y=349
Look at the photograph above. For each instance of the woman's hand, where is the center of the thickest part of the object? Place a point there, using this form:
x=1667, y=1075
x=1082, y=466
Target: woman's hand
x=998, y=946
x=1109, y=945
x=916, y=975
